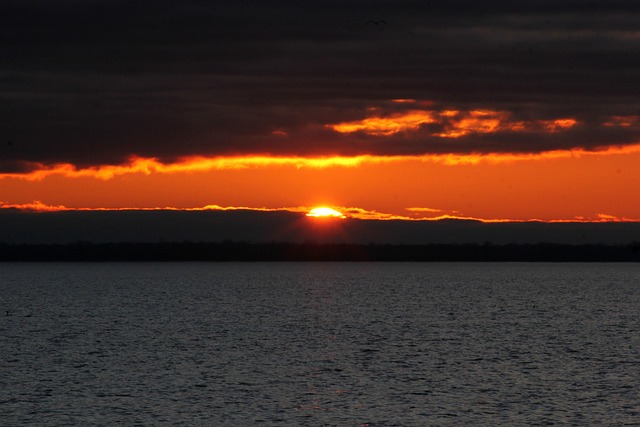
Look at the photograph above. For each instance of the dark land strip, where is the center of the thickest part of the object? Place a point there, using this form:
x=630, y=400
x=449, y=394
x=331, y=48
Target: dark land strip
x=285, y=251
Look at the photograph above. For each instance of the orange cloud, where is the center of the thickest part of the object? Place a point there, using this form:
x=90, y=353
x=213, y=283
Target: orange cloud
x=479, y=121
x=39, y=206
x=430, y=210
x=148, y=166
x=385, y=126
x=359, y=213
x=35, y=206
x=558, y=125
x=611, y=218
x=622, y=121
x=455, y=123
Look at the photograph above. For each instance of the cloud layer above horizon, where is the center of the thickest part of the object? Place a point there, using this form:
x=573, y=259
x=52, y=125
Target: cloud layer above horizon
x=94, y=83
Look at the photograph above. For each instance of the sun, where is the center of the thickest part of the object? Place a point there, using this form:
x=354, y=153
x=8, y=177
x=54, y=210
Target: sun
x=325, y=212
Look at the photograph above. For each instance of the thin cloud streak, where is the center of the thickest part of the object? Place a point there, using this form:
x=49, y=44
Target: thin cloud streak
x=147, y=166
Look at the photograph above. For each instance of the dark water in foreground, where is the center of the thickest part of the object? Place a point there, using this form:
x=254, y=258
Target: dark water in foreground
x=320, y=344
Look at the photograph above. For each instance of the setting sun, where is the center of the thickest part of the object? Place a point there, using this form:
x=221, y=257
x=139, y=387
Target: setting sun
x=325, y=212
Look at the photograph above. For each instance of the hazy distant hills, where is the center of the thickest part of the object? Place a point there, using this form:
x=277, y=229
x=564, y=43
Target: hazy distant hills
x=259, y=227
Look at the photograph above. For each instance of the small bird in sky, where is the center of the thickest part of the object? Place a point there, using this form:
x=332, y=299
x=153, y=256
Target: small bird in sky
x=375, y=26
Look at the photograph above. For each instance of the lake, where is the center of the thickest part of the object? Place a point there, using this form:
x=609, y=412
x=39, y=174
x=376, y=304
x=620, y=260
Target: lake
x=344, y=344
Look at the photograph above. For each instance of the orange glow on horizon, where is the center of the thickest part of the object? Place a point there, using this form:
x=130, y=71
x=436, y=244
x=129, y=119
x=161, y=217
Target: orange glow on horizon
x=556, y=186
x=325, y=212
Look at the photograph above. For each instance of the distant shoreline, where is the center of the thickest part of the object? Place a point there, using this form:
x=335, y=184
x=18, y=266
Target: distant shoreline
x=288, y=251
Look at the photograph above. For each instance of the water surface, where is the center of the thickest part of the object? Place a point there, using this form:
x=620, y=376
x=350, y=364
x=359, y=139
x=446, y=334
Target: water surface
x=348, y=344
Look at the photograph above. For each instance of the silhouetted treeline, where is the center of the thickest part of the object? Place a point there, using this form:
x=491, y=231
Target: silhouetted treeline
x=282, y=251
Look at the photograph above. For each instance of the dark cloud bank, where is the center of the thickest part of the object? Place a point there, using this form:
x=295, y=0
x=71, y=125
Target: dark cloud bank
x=263, y=227
x=92, y=82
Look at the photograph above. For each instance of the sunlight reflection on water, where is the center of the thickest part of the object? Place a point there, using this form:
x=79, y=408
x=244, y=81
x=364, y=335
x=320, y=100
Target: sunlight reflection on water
x=320, y=344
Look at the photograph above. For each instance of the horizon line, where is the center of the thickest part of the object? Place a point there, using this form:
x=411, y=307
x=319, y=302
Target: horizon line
x=353, y=213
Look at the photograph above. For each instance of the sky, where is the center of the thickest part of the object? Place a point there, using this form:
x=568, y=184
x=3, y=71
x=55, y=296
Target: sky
x=494, y=111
